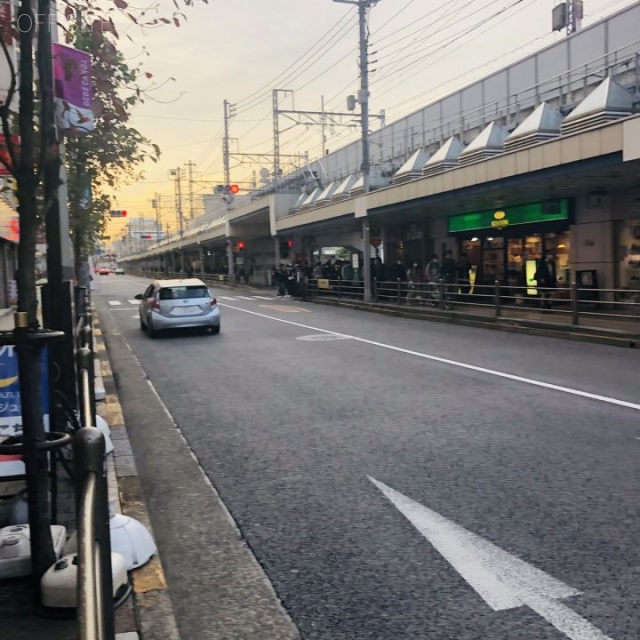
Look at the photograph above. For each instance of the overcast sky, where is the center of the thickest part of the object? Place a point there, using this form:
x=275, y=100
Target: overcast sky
x=240, y=50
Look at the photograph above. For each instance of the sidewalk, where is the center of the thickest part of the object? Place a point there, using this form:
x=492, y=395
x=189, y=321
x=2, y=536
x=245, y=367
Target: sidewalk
x=147, y=613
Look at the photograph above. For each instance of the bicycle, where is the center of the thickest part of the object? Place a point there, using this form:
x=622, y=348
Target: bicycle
x=67, y=421
x=438, y=295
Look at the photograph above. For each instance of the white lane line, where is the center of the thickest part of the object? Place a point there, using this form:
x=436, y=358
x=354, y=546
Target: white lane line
x=263, y=297
x=115, y=303
x=455, y=363
x=133, y=301
x=225, y=298
x=244, y=297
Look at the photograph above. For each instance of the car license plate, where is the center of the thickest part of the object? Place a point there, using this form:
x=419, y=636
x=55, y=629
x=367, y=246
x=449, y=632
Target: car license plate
x=185, y=311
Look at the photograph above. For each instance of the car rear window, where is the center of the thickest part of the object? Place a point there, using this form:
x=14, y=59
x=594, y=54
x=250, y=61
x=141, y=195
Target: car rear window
x=179, y=293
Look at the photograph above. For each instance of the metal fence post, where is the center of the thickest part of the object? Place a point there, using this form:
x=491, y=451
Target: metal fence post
x=574, y=303
x=441, y=293
x=498, y=301
x=375, y=290
x=399, y=292
x=95, y=581
x=339, y=288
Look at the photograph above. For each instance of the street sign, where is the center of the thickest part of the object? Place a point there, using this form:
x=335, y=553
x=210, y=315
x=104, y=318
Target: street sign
x=11, y=409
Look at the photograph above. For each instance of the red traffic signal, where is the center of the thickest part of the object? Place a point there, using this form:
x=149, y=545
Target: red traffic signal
x=118, y=214
x=234, y=188
x=289, y=243
x=240, y=246
x=147, y=237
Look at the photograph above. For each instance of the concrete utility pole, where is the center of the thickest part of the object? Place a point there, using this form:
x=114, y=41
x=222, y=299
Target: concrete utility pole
x=190, y=167
x=575, y=12
x=176, y=175
x=363, y=99
x=229, y=112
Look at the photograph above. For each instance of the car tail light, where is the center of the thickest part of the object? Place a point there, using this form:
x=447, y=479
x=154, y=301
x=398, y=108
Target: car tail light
x=214, y=302
x=155, y=305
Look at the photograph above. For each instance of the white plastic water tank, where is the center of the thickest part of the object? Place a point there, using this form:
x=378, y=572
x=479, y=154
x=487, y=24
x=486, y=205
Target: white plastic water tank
x=58, y=585
x=15, y=549
x=129, y=538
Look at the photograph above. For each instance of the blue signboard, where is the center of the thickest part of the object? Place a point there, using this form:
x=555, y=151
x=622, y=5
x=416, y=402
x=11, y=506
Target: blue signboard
x=10, y=407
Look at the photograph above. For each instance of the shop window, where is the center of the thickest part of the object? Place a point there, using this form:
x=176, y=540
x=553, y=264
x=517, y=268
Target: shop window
x=629, y=257
x=557, y=245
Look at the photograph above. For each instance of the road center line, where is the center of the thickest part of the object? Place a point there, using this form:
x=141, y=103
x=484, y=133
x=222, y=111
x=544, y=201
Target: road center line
x=455, y=363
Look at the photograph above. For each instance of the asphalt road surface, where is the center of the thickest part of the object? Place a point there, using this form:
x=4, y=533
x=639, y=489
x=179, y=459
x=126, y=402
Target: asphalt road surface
x=395, y=479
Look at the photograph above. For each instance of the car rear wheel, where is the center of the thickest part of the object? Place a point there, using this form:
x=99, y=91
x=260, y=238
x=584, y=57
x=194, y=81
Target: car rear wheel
x=152, y=333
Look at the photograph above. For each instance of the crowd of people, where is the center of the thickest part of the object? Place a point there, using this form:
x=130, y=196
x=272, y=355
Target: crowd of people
x=289, y=279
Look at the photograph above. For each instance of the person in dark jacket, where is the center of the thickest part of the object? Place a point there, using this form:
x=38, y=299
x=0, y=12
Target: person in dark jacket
x=546, y=279
x=398, y=271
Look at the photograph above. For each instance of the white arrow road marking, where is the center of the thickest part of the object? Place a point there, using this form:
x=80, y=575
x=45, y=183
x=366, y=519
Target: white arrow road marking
x=115, y=303
x=500, y=579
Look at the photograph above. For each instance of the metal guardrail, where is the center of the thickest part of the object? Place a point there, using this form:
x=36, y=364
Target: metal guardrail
x=95, y=607
x=570, y=304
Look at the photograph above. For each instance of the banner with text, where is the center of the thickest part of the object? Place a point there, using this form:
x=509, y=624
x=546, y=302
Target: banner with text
x=73, y=90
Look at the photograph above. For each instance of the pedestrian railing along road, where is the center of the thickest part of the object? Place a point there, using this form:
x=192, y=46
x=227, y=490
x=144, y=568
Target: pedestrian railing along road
x=571, y=305
x=95, y=605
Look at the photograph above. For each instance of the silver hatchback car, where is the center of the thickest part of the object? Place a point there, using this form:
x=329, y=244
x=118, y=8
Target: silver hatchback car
x=178, y=304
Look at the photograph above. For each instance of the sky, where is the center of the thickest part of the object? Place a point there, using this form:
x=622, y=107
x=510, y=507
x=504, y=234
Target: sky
x=241, y=50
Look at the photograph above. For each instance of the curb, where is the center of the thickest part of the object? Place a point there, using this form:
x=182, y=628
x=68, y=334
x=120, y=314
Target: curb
x=609, y=337
x=149, y=613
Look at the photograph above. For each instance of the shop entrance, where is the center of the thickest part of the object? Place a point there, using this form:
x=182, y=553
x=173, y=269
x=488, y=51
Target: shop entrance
x=511, y=259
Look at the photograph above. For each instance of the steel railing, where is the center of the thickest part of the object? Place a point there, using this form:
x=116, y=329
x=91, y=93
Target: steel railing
x=95, y=607
x=569, y=303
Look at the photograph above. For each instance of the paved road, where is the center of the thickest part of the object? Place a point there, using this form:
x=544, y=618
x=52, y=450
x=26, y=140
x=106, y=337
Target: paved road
x=398, y=479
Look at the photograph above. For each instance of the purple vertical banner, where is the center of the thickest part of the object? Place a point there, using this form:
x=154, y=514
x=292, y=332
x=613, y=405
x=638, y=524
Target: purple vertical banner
x=73, y=90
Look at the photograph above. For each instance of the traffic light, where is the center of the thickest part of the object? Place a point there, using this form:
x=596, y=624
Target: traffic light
x=147, y=237
x=289, y=243
x=240, y=246
x=227, y=189
x=120, y=213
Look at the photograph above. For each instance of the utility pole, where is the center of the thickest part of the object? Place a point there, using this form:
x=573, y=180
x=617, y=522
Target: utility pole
x=323, y=126
x=276, y=134
x=229, y=112
x=363, y=99
x=190, y=167
x=575, y=11
x=176, y=175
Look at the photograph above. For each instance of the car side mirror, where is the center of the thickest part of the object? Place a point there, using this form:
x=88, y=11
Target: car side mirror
x=139, y=297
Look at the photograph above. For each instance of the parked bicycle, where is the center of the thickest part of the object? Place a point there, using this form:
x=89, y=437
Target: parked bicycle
x=67, y=421
x=439, y=295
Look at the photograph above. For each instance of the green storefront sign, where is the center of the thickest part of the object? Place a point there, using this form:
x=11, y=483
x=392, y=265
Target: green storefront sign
x=538, y=212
